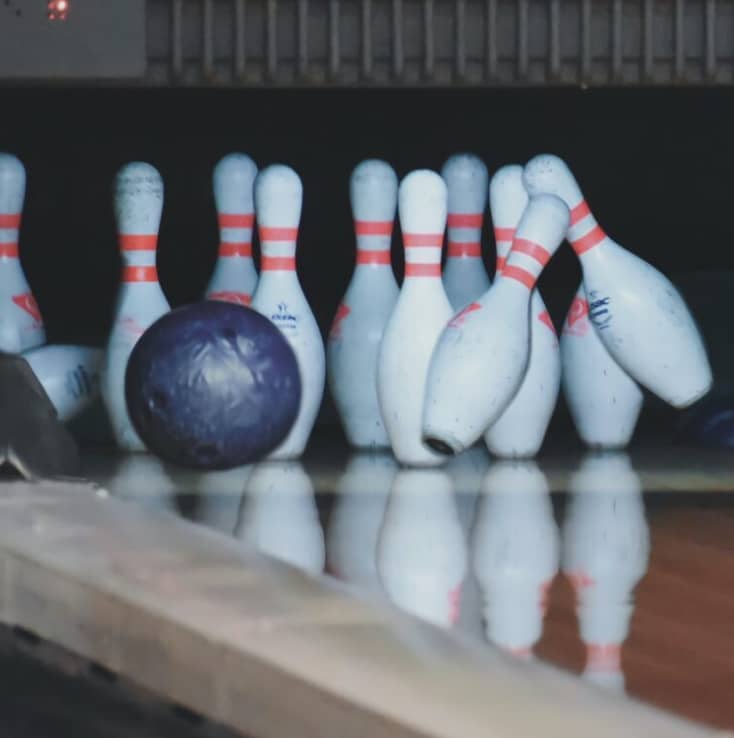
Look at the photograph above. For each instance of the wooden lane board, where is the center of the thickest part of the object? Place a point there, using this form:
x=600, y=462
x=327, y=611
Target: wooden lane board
x=262, y=648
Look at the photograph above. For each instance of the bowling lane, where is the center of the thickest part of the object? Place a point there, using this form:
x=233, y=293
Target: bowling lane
x=618, y=568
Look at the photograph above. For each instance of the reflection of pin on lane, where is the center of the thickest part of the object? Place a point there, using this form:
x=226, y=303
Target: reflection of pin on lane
x=638, y=314
x=279, y=296
x=515, y=554
x=138, y=203
x=421, y=312
x=478, y=366
x=520, y=430
x=464, y=276
x=422, y=551
x=605, y=554
x=278, y=516
x=234, y=276
x=357, y=328
x=21, y=326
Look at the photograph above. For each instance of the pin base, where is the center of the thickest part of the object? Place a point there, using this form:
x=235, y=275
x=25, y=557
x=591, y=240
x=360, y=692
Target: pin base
x=32, y=439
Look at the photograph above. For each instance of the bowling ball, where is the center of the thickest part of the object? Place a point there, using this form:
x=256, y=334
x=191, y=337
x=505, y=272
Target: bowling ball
x=709, y=423
x=212, y=385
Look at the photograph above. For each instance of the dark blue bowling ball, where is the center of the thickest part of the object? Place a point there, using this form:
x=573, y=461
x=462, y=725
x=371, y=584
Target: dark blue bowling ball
x=212, y=385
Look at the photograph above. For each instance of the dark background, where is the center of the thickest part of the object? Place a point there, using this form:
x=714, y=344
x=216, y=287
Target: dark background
x=655, y=166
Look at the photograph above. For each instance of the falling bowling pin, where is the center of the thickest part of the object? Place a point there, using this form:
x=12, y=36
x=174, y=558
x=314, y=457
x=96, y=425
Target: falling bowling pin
x=481, y=357
x=138, y=204
x=69, y=374
x=357, y=329
x=638, y=314
x=21, y=325
x=464, y=276
x=606, y=545
x=421, y=312
x=279, y=296
x=520, y=430
x=234, y=276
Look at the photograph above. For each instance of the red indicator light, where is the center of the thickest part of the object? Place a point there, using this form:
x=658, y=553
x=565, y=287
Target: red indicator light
x=58, y=10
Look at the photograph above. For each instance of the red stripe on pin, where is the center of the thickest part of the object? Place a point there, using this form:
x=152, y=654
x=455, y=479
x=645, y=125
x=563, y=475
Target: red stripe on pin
x=9, y=250
x=422, y=270
x=501, y=261
x=9, y=220
x=365, y=256
x=227, y=248
x=579, y=212
x=373, y=227
x=138, y=242
x=238, y=298
x=593, y=238
x=423, y=239
x=236, y=220
x=520, y=275
x=139, y=274
x=278, y=263
x=473, y=248
x=532, y=249
x=464, y=220
x=278, y=234
x=504, y=234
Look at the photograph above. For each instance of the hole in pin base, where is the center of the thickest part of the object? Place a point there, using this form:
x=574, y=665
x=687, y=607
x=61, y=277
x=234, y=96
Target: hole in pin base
x=440, y=446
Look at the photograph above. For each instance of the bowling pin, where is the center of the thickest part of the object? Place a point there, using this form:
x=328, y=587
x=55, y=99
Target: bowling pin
x=482, y=355
x=604, y=401
x=638, y=314
x=520, y=430
x=354, y=525
x=421, y=312
x=515, y=554
x=278, y=516
x=279, y=297
x=606, y=546
x=145, y=480
x=234, y=276
x=464, y=276
x=421, y=550
x=138, y=202
x=21, y=325
x=356, y=332
x=69, y=374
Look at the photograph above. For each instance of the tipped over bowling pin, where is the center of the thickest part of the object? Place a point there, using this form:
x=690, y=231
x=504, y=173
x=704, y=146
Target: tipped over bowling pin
x=421, y=312
x=138, y=204
x=482, y=355
x=464, y=276
x=357, y=328
x=638, y=314
x=606, y=546
x=515, y=554
x=69, y=374
x=520, y=430
x=279, y=296
x=604, y=401
x=234, y=276
x=21, y=325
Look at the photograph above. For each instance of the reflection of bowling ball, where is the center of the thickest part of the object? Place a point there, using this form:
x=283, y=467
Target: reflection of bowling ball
x=212, y=386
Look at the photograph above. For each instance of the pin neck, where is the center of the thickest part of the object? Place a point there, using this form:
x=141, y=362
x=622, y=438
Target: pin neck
x=278, y=246
x=464, y=235
x=584, y=233
x=423, y=254
x=139, y=273
x=9, y=227
x=235, y=248
x=235, y=234
x=525, y=262
x=373, y=241
x=503, y=238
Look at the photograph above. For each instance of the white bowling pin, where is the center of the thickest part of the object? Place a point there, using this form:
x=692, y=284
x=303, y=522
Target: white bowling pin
x=481, y=356
x=279, y=296
x=520, y=430
x=464, y=276
x=138, y=203
x=606, y=545
x=604, y=401
x=421, y=312
x=354, y=525
x=278, y=516
x=422, y=551
x=515, y=554
x=234, y=276
x=69, y=374
x=356, y=332
x=21, y=325
x=639, y=315
x=145, y=480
